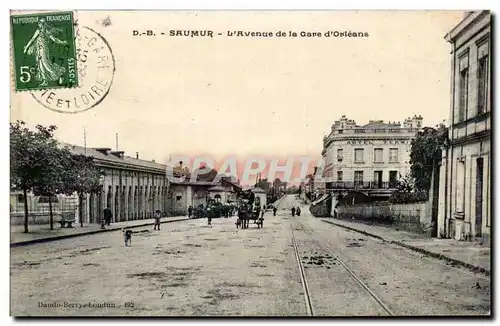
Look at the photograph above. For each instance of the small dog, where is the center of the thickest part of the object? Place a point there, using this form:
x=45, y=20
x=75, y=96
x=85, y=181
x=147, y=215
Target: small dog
x=127, y=235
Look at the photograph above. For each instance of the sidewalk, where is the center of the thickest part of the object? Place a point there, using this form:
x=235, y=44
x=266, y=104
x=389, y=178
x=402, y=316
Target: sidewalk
x=43, y=233
x=467, y=254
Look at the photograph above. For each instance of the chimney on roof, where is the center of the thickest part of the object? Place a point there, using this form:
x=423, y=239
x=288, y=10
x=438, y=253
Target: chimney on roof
x=104, y=150
x=137, y=155
x=119, y=154
x=153, y=160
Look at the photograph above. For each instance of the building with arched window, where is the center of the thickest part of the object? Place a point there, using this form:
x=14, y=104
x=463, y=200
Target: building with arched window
x=132, y=188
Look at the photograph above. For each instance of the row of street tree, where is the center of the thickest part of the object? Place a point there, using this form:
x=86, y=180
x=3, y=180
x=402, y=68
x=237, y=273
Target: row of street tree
x=38, y=165
x=425, y=154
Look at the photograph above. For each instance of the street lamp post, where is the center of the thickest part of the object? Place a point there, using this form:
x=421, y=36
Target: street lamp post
x=101, y=184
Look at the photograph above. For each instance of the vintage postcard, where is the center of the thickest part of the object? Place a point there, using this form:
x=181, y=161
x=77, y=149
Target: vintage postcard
x=250, y=163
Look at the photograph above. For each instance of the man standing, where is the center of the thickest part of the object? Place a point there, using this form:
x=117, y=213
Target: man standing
x=190, y=211
x=107, y=215
x=157, y=220
x=274, y=210
x=293, y=211
x=209, y=216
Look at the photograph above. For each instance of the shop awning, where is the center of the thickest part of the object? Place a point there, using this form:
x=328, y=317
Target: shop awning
x=321, y=198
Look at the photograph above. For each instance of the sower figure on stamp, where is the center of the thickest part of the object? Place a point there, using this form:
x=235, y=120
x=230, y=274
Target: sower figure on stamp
x=46, y=69
x=108, y=215
x=157, y=219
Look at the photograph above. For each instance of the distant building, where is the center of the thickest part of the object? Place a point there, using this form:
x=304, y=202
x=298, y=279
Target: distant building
x=465, y=173
x=260, y=196
x=307, y=187
x=197, y=192
x=369, y=158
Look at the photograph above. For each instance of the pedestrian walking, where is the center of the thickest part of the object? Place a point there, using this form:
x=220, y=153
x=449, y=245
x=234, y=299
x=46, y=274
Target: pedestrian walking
x=209, y=216
x=293, y=211
x=298, y=211
x=127, y=235
x=190, y=211
x=107, y=215
x=157, y=219
x=274, y=211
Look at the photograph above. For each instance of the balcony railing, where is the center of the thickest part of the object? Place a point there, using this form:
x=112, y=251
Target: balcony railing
x=361, y=185
x=343, y=132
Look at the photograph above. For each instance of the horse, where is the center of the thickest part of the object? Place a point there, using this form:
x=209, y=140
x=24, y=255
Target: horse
x=243, y=217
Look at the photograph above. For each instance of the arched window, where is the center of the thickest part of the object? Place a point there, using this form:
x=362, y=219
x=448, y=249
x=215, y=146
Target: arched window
x=122, y=203
x=141, y=202
x=109, y=197
x=117, y=203
x=136, y=203
x=130, y=204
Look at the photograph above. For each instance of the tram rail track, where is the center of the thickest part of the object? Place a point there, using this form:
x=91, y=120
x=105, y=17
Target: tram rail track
x=303, y=280
x=316, y=237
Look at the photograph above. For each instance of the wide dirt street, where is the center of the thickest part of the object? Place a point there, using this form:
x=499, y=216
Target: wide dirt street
x=190, y=269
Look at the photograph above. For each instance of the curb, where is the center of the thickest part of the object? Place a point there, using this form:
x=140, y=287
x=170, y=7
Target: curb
x=454, y=262
x=356, y=230
x=66, y=236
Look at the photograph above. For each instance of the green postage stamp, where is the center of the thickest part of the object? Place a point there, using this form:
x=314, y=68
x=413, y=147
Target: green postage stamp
x=44, y=51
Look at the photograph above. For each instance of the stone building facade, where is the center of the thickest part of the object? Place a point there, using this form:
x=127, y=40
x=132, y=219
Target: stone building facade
x=369, y=158
x=208, y=184
x=465, y=173
x=132, y=188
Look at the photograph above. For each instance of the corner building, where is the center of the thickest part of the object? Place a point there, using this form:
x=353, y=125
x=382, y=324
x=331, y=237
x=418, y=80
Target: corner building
x=369, y=158
x=465, y=173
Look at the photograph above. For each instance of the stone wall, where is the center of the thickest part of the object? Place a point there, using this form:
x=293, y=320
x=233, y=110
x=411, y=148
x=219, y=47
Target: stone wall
x=414, y=217
x=17, y=218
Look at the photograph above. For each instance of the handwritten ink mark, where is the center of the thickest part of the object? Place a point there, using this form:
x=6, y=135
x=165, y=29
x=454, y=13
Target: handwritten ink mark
x=106, y=21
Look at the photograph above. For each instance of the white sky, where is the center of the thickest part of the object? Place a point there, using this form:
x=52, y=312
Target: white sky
x=272, y=97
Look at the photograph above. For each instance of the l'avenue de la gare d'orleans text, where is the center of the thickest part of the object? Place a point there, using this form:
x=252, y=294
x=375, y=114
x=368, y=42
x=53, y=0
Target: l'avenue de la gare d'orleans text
x=240, y=33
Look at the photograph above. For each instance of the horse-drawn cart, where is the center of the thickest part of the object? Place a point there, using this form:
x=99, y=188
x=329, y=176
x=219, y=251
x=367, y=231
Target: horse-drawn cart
x=247, y=211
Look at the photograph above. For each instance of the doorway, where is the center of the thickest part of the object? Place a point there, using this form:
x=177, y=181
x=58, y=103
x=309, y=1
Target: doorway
x=393, y=179
x=479, y=196
x=377, y=178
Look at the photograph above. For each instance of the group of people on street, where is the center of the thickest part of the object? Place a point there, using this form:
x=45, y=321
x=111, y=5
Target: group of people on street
x=295, y=211
x=108, y=215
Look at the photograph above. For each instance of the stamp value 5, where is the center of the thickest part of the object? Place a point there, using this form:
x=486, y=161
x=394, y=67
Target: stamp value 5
x=44, y=51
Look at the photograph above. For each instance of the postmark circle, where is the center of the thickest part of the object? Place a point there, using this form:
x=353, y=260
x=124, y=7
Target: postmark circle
x=96, y=70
